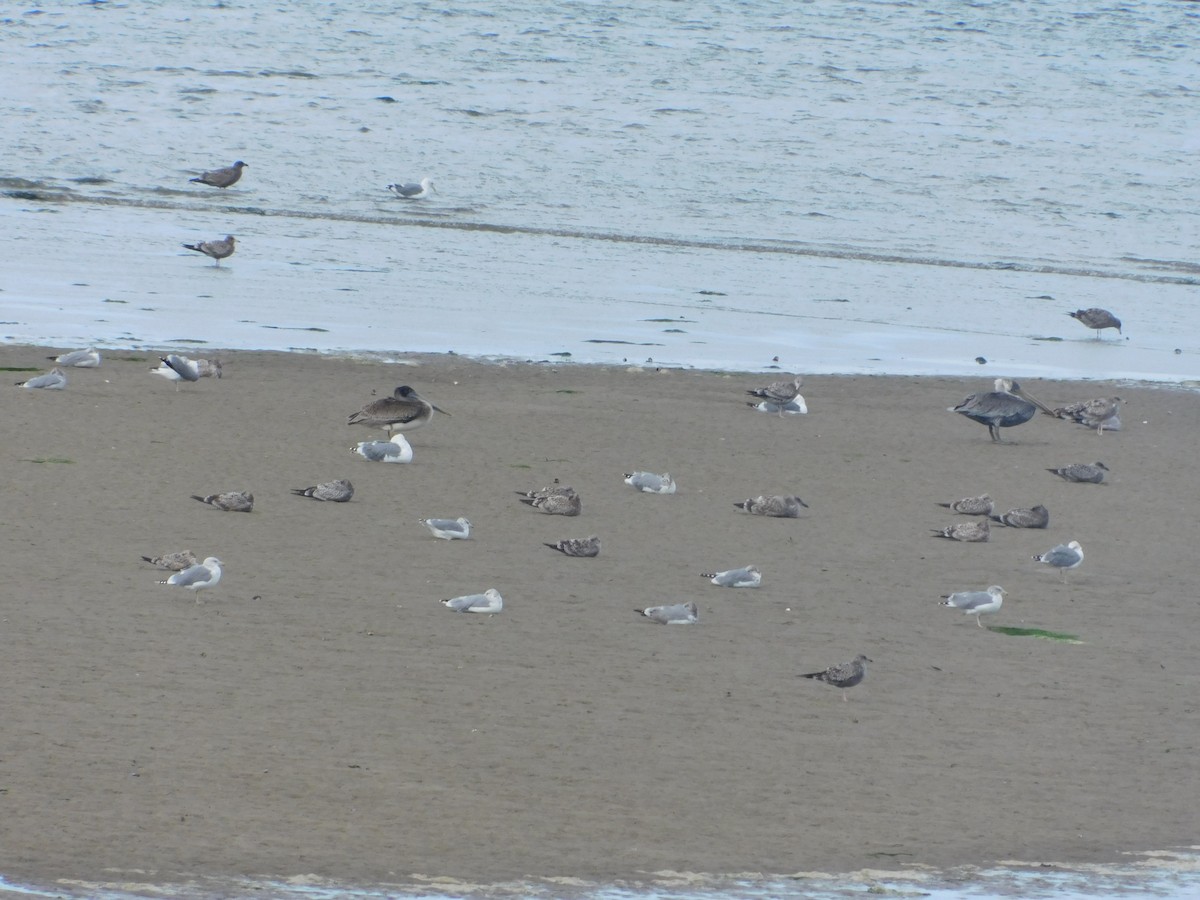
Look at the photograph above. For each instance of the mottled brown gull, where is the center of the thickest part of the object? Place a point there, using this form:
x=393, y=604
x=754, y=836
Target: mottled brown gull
x=582, y=547
x=218, y=250
x=1023, y=517
x=972, y=506
x=556, y=504
x=843, y=675
x=339, y=491
x=175, y=562
x=778, y=506
x=969, y=532
x=229, y=501
x=1087, y=473
x=1101, y=413
x=779, y=393
x=223, y=177
x=1096, y=318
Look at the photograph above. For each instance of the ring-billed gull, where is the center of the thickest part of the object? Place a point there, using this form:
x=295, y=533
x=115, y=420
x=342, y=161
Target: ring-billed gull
x=650, y=483
x=489, y=601
x=230, y=501
x=1101, y=413
x=339, y=491
x=405, y=410
x=779, y=393
x=1021, y=517
x=1063, y=557
x=745, y=577
x=556, y=504
x=970, y=532
x=221, y=178
x=976, y=603
x=1096, y=318
x=589, y=546
x=1005, y=407
x=218, y=250
x=1082, y=472
x=843, y=675
x=79, y=359
x=778, y=506
x=412, y=190
x=972, y=506
x=396, y=449
x=176, y=562
x=675, y=614
x=448, y=529
x=54, y=380
x=197, y=577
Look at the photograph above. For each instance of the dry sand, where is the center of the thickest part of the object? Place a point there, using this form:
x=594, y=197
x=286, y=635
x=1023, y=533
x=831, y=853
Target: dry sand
x=322, y=713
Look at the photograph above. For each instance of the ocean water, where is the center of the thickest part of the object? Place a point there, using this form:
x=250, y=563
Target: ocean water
x=874, y=187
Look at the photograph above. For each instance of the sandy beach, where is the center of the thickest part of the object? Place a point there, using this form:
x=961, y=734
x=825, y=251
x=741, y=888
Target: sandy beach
x=320, y=712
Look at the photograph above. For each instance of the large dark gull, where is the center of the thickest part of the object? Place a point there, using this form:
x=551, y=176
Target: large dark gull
x=1096, y=318
x=976, y=603
x=842, y=675
x=223, y=177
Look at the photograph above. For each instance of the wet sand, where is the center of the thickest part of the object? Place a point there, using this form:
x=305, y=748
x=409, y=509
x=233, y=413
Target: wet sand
x=320, y=712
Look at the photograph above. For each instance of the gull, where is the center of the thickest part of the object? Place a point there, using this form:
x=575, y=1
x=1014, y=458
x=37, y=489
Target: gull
x=174, y=367
x=197, y=577
x=207, y=368
x=1063, y=557
x=972, y=506
x=489, y=601
x=338, y=491
x=778, y=506
x=218, y=250
x=1004, y=407
x=589, y=546
x=448, y=529
x=54, y=380
x=405, y=410
x=843, y=675
x=779, y=393
x=395, y=450
x=676, y=614
x=222, y=178
x=1100, y=413
x=971, y=532
x=1082, y=472
x=80, y=359
x=1096, y=318
x=1033, y=517
x=412, y=190
x=649, y=483
x=176, y=562
x=230, y=501
x=548, y=491
x=745, y=577
x=556, y=504
x=794, y=407
x=976, y=603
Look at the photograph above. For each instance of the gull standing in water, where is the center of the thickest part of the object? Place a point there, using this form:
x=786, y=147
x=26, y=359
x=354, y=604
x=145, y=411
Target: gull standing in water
x=745, y=577
x=1006, y=406
x=230, y=501
x=843, y=675
x=395, y=450
x=1063, y=557
x=1096, y=318
x=1033, y=517
x=449, y=529
x=197, y=577
x=779, y=507
x=675, y=614
x=489, y=601
x=405, y=410
x=583, y=547
x=412, y=190
x=80, y=359
x=221, y=178
x=339, y=491
x=1082, y=472
x=218, y=250
x=650, y=483
x=976, y=603
x=54, y=380
x=972, y=506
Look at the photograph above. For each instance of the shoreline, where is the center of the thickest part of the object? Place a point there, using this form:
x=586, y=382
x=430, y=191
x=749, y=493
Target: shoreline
x=324, y=707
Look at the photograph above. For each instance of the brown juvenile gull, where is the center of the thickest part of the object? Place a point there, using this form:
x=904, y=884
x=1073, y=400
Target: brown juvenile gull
x=976, y=603
x=1082, y=472
x=1096, y=318
x=54, y=380
x=1100, y=413
x=969, y=532
x=778, y=506
x=218, y=250
x=779, y=393
x=222, y=178
x=675, y=614
x=338, y=491
x=209, y=368
x=557, y=504
x=589, y=546
x=1025, y=517
x=176, y=562
x=80, y=359
x=230, y=501
x=1006, y=406
x=843, y=675
x=405, y=410
x=548, y=491
x=972, y=506
x=1062, y=557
